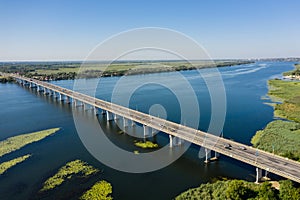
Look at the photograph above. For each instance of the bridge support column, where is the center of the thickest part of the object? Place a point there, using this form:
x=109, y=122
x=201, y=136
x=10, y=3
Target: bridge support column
x=207, y=155
x=109, y=116
x=40, y=88
x=179, y=141
x=68, y=99
x=116, y=117
x=153, y=131
x=147, y=130
x=171, y=140
x=85, y=106
x=132, y=123
x=258, y=175
x=61, y=97
x=125, y=122
x=266, y=174
x=25, y=83
x=96, y=110
x=32, y=85
x=77, y=103
x=216, y=155
x=46, y=91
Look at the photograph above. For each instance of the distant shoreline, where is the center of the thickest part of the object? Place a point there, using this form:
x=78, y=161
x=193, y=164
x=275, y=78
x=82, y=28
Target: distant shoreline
x=69, y=71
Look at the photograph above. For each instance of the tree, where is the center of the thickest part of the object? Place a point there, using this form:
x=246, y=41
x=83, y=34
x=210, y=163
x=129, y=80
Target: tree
x=266, y=192
x=236, y=190
x=288, y=192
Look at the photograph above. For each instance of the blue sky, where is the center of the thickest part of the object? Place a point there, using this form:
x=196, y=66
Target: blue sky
x=70, y=29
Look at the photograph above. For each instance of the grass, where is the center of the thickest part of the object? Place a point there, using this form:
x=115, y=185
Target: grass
x=146, y=145
x=283, y=136
x=289, y=93
x=14, y=143
x=6, y=165
x=100, y=191
x=76, y=167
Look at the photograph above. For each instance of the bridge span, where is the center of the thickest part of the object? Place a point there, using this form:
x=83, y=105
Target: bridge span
x=262, y=160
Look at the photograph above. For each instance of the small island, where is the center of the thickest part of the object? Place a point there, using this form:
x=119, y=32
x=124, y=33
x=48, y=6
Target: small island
x=146, y=144
x=81, y=176
x=17, y=142
x=73, y=168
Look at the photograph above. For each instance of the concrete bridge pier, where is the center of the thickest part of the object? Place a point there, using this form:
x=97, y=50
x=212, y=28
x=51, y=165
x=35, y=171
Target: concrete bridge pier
x=216, y=155
x=109, y=116
x=258, y=175
x=68, y=99
x=147, y=130
x=32, y=85
x=40, y=88
x=25, y=83
x=266, y=174
x=77, y=103
x=96, y=110
x=171, y=141
x=85, y=106
x=61, y=97
x=46, y=91
x=153, y=131
x=125, y=122
x=132, y=123
x=116, y=117
x=178, y=141
x=207, y=155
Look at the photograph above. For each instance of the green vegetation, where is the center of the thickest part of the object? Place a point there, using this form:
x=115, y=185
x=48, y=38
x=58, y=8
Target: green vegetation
x=146, y=145
x=71, y=70
x=6, y=165
x=14, y=143
x=289, y=92
x=76, y=167
x=295, y=72
x=240, y=190
x=100, y=191
x=4, y=79
x=281, y=136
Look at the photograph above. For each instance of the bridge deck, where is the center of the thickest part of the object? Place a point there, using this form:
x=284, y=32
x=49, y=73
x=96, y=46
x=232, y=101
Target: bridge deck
x=264, y=160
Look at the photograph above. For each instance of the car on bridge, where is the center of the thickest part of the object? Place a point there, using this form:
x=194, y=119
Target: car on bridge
x=227, y=146
x=242, y=148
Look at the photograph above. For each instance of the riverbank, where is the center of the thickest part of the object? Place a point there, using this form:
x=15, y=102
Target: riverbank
x=66, y=70
x=294, y=74
x=239, y=189
x=4, y=79
x=282, y=137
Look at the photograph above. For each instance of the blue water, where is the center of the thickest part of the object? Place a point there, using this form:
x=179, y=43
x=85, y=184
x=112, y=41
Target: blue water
x=23, y=110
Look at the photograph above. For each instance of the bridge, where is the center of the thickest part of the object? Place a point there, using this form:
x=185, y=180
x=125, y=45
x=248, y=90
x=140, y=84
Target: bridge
x=262, y=160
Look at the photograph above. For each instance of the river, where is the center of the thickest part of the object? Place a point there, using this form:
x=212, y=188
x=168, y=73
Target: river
x=23, y=110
